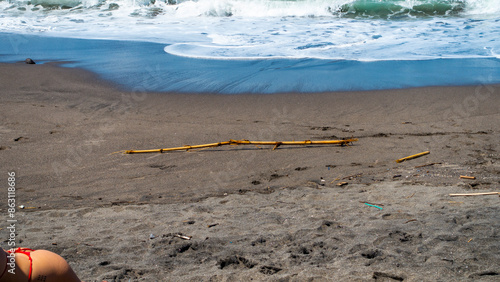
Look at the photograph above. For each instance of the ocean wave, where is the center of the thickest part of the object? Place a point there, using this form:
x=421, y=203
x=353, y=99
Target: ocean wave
x=390, y=9
x=395, y=9
x=360, y=30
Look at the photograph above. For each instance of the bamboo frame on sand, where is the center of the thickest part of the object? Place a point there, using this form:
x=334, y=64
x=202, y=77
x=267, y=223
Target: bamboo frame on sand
x=245, y=142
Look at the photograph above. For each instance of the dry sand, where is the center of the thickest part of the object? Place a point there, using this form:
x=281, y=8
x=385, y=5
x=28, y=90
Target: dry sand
x=252, y=213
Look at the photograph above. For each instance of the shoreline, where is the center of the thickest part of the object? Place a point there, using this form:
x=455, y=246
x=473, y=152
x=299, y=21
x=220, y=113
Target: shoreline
x=138, y=65
x=269, y=216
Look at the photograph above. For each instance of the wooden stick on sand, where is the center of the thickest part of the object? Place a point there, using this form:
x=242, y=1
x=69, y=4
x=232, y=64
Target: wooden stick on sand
x=476, y=194
x=412, y=156
x=467, y=177
x=245, y=142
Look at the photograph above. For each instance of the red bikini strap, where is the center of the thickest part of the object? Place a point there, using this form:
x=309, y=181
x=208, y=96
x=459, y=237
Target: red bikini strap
x=24, y=251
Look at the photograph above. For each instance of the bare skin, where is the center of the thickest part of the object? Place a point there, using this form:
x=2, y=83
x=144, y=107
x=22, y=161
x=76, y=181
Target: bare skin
x=47, y=267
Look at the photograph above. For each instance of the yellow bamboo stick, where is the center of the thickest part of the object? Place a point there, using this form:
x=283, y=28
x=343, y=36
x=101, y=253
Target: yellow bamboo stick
x=476, y=194
x=412, y=156
x=185, y=147
x=467, y=177
x=244, y=142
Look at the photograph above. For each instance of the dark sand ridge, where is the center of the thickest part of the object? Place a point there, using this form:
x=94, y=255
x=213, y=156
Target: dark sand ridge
x=60, y=126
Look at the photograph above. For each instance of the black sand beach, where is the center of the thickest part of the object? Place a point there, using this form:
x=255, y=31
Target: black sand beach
x=252, y=213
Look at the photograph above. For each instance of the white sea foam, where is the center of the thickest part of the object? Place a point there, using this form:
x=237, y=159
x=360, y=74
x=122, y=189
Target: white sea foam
x=482, y=8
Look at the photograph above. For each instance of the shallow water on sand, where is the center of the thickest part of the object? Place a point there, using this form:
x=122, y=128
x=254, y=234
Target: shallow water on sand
x=128, y=65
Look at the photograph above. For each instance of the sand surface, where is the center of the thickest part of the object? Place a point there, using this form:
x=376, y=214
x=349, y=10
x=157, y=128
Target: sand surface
x=252, y=213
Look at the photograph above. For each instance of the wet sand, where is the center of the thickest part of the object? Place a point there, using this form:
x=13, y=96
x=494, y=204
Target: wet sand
x=252, y=213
